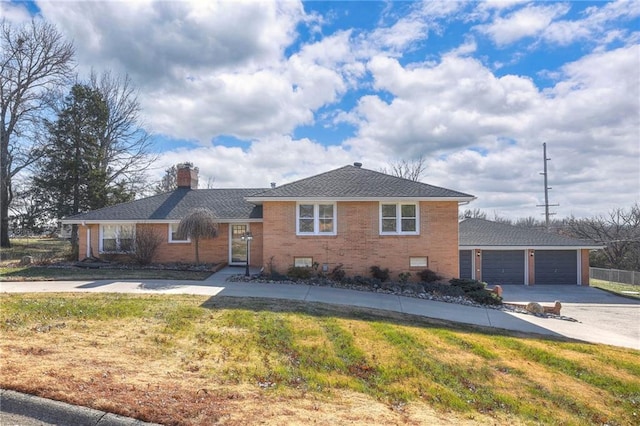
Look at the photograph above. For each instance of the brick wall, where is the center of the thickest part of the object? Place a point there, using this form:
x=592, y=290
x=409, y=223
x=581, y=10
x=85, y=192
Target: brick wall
x=214, y=250
x=358, y=244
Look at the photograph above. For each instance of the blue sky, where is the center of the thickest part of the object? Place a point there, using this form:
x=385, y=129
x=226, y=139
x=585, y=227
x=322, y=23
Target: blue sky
x=259, y=92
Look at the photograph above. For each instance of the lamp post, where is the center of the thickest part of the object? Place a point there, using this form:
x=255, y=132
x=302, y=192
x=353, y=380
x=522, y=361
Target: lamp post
x=247, y=237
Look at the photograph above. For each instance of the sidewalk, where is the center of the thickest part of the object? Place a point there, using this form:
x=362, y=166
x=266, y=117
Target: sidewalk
x=217, y=284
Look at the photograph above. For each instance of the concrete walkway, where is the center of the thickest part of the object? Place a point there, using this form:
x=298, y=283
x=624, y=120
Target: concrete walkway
x=217, y=285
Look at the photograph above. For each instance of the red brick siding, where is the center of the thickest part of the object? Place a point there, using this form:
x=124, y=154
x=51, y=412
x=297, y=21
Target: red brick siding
x=358, y=244
x=214, y=250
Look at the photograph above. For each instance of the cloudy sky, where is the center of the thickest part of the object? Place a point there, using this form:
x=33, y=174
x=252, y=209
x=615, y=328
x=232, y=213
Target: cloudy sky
x=257, y=92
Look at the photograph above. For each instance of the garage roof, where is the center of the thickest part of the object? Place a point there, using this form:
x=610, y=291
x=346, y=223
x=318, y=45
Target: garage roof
x=482, y=233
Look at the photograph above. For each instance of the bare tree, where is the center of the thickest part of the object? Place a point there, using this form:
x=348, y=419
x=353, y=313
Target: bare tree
x=619, y=231
x=407, y=169
x=475, y=214
x=147, y=241
x=199, y=223
x=530, y=222
x=125, y=146
x=34, y=61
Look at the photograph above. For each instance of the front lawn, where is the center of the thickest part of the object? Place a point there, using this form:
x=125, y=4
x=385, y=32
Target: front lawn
x=627, y=290
x=193, y=360
x=52, y=273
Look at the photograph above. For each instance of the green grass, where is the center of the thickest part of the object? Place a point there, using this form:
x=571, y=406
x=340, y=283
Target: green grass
x=626, y=290
x=290, y=349
x=41, y=249
x=48, y=273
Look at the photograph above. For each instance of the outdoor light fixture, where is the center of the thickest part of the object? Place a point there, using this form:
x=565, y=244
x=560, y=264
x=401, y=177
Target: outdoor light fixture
x=478, y=253
x=531, y=253
x=247, y=237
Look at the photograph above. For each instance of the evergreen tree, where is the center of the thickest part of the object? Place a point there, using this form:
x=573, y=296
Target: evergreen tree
x=70, y=178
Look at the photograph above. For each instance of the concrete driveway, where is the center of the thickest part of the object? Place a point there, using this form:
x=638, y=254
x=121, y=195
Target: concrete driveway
x=605, y=314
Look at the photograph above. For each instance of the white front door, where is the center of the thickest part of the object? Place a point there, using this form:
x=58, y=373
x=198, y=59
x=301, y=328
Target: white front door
x=238, y=248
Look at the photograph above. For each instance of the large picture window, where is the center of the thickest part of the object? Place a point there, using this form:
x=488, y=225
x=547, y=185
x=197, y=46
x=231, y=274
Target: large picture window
x=316, y=219
x=118, y=238
x=399, y=218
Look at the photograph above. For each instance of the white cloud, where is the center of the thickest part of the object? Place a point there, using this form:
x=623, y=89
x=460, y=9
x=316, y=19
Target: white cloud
x=14, y=12
x=595, y=25
x=526, y=22
x=451, y=110
x=160, y=40
x=277, y=159
x=443, y=106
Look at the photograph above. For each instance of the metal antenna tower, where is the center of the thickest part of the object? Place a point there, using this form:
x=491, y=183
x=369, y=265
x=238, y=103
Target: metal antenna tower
x=546, y=204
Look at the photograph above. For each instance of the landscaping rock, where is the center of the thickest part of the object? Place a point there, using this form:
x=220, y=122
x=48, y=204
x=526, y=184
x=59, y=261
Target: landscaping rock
x=497, y=290
x=535, y=308
x=555, y=309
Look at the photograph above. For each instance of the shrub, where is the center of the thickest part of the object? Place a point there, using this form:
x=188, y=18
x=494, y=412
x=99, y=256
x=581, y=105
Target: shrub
x=467, y=285
x=277, y=276
x=147, y=241
x=298, y=273
x=403, y=277
x=379, y=273
x=443, y=289
x=484, y=297
x=364, y=281
x=337, y=273
x=428, y=276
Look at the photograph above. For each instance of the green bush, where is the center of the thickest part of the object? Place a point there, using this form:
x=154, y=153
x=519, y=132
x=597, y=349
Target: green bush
x=467, y=285
x=403, y=277
x=428, y=276
x=484, y=297
x=442, y=289
x=379, y=273
x=297, y=273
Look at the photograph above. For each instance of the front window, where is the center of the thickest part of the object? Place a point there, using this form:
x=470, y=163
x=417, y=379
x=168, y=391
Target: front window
x=173, y=234
x=316, y=219
x=117, y=238
x=399, y=218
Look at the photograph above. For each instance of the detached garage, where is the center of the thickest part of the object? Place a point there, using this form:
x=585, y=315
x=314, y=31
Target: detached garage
x=497, y=253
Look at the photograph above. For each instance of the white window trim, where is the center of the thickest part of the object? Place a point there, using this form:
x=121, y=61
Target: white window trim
x=171, y=240
x=101, y=237
x=316, y=218
x=398, y=230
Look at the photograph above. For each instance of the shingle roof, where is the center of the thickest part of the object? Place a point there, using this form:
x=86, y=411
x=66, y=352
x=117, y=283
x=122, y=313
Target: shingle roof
x=226, y=204
x=485, y=233
x=356, y=182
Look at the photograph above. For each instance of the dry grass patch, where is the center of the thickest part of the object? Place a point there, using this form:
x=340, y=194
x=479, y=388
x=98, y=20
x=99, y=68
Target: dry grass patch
x=189, y=360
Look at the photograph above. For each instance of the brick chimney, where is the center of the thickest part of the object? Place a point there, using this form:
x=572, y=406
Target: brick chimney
x=187, y=176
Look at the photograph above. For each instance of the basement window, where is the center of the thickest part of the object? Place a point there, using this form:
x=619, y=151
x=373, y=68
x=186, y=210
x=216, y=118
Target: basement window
x=418, y=262
x=303, y=262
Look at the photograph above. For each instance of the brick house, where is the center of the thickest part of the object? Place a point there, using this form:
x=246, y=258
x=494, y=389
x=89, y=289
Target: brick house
x=350, y=216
